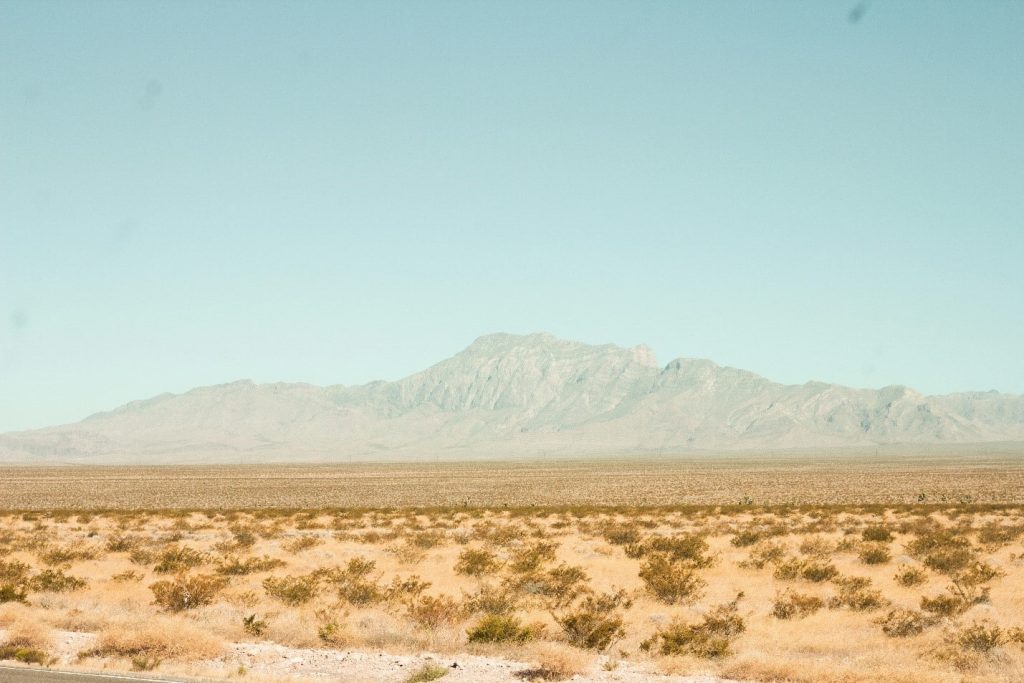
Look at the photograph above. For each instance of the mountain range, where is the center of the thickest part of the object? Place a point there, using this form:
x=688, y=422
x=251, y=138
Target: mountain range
x=530, y=396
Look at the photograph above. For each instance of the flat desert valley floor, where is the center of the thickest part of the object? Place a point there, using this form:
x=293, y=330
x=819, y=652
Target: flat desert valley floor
x=991, y=476
x=803, y=569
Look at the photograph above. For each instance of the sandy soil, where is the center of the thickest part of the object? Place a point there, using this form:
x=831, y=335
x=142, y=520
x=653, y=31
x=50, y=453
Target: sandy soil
x=263, y=662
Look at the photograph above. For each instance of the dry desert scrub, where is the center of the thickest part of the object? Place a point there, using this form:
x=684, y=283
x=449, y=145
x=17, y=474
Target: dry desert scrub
x=929, y=594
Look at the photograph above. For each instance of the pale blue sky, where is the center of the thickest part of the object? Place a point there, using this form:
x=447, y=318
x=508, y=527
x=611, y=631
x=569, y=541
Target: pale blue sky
x=196, y=192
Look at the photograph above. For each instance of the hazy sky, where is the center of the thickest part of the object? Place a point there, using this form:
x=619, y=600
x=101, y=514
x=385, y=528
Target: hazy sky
x=196, y=192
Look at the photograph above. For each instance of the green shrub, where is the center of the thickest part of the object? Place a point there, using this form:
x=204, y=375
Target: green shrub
x=145, y=663
x=942, y=550
x=120, y=543
x=817, y=546
x=671, y=581
x=621, y=534
x=902, y=623
x=254, y=626
x=710, y=638
x=13, y=592
x=995, y=534
x=948, y=560
x=874, y=553
x=817, y=572
x=233, y=566
x=497, y=628
x=403, y=590
x=688, y=549
x=178, y=559
x=530, y=558
x=980, y=637
x=354, y=583
x=855, y=593
x=596, y=622
x=56, y=581
x=13, y=572
x=477, y=563
x=292, y=590
x=876, y=534
x=763, y=553
x=944, y=605
x=428, y=672
x=25, y=655
x=297, y=545
x=969, y=584
x=908, y=576
x=559, y=585
x=67, y=554
x=745, y=538
x=244, y=536
x=788, y=605
x=141, y=556
x=425, y=540
x=491, y=600
x=788, y=569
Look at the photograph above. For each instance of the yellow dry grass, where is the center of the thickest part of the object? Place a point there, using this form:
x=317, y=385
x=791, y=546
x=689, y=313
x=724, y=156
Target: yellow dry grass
x=398, y=579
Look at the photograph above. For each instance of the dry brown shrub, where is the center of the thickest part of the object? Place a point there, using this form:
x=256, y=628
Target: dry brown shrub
x=555, y=662
x=432, y=612
x=908, y=576
x=902, y=623
x=30, y=635
x=179, y=558
x=156, y=638
x=856, y=593
x=490, y=599
x=817, y=547
x=530, y=558
x=187, y=592
x=789, y=605
x=477, y=562
x=876, y=533
x=966, y=646
x=302, y=543
x=874, y=553
x=763, y=553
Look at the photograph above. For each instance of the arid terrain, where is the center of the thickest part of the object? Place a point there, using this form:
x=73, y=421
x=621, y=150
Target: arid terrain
x=981, y=474
x=751, y=577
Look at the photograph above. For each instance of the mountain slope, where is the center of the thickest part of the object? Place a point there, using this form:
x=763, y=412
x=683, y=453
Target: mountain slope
x=520, y=395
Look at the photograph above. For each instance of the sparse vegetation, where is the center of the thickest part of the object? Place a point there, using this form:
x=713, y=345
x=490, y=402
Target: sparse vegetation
x=710, y=638
x=478, y=562
x=792, y=605
x=671, y=581
x=430, y=671
x=908, y=576
x=902, y=623
x=187, y=592
x=292, y=590
x=596, y=622
x=499, y=628
x=536, y=585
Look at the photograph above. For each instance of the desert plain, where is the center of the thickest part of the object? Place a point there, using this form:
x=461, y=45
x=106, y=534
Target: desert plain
x=798, y=568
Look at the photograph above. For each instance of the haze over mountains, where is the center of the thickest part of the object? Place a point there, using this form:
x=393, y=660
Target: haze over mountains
x=522, y=396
